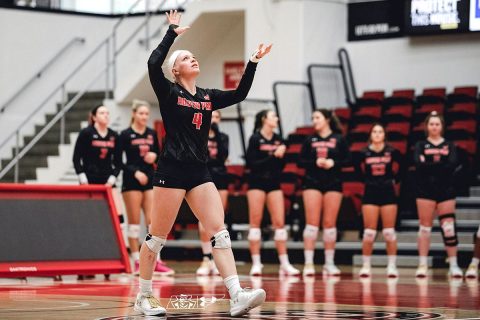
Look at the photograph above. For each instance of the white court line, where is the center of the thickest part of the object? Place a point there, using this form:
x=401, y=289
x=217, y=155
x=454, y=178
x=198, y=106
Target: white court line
x=78, y=305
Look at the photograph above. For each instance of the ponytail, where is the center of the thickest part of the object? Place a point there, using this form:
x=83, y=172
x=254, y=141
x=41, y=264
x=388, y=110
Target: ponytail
x=136, y=104
x=259, y=117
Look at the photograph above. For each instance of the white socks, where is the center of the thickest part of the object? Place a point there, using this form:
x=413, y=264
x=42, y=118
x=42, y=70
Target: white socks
x=284, y=259
x=136, y=256
x=308, y=256
x=329, y=255
x=392, y=260
x=452, y=261
x=423, y=260
x=233, y=285
x=145, y=286
x=256, y=259
x=367, y=260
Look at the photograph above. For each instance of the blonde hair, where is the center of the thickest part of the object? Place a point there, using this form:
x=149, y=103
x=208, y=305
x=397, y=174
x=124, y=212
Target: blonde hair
x=171, y=62
x=137, y=104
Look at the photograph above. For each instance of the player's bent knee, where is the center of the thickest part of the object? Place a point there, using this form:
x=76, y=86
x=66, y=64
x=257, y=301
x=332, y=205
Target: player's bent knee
x=310, y=232
x=221, y=240
x=254, y=234
x=369, y=235
x=154, y=243
x=280, y=235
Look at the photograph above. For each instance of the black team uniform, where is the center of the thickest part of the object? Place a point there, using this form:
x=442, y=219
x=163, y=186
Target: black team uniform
x=96, y=156
x=332, y=147
x=217, y=155
x=265, y=168
x=380, y=171
x=183, y=161
x=136, y=146
x=435, y=175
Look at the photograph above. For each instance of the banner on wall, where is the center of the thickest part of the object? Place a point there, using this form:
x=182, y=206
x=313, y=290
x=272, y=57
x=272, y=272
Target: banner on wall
x=474, y=15
x=437, y=16
x=232, y=74
x=375, y=20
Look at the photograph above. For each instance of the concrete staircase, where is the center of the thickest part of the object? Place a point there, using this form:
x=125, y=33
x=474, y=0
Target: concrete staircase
x=49, y=144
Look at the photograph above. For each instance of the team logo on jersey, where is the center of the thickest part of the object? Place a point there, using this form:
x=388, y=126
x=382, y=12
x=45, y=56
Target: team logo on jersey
x=132, y=135
x=95, y=136
x=161, y=181
x=206, y=97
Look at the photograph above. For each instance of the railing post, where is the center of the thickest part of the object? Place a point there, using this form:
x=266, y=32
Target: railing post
x=62, y=120
x=147, y=25
x=107, y=73
x=114, y=59
x=17, y=147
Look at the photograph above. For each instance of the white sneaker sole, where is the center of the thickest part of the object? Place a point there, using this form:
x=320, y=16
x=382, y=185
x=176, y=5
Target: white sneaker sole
x=150, y=313
x=253, y=302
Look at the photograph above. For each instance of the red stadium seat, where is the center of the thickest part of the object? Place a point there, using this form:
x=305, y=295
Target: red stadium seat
x=468, y=108
x=293, y=168
x=399, y=145
x=427, y=108
x=469, y=126
x=371, y=111
x=404, y=93
x=435, y=92
x=401, y=110
x=469, y=91
x=398, y=128
x=357, y=146
x=343, y=114
x=354, y=190
x=294, y=148
x=470, y=146
x=305, y=130
x=377, y=95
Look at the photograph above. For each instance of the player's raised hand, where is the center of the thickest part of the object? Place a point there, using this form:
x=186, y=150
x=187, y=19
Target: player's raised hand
x=174, y=18
x=263, y=51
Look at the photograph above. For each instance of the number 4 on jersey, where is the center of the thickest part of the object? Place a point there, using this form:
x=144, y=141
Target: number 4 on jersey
x=197, y=120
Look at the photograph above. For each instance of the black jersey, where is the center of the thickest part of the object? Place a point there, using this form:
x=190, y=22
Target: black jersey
x=96, y=155
x=136, y=146
x=187, y=117
x=332, y=147
x=379, y=169
x=217, y=152
x=440, y=161
x=260, y=159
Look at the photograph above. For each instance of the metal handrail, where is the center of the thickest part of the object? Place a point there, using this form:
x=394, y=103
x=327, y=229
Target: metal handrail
x=39, y=73
x=48, y=126
x=109, y=63
x=275, y=96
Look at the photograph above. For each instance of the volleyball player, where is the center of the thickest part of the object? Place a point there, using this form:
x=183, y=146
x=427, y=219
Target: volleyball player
x=323, y=154
x=141, y=147
x=265, y=160
x=436, y=160
x=182, y=170
x=379, y=164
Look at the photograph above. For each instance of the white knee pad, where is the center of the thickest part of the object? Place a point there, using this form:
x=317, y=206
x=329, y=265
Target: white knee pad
x=330, y=235
x=369, y=235
x=424, y=232
x=310, y=232
x=254, y=234
x=280, y=234
x=155, y=244
x=389, y=234
x=221, y=240
x=133, y=231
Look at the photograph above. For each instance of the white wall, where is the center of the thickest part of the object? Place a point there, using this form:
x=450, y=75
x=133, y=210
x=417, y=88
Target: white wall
x=420, y=62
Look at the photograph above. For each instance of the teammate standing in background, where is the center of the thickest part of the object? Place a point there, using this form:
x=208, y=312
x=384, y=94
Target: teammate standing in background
x=96, y=157
x=265, y=159
x=141, y=147
x=379, y=164
x=436, y=161
x=182, y=171
x=323, y=154
x=217, y=155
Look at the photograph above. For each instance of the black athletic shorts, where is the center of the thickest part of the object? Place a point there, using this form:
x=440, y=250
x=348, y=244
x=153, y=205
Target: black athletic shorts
x=379, y=195
x=130, y=183
x=178, y=175
x=98, y=179
x=220, y=180
x=436, y=192
x=310, y=182
x=267, y=185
